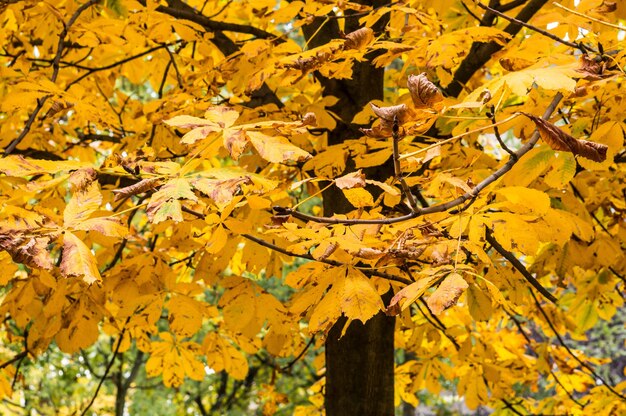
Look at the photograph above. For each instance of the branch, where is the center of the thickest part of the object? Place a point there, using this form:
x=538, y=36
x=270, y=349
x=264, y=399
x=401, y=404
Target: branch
x=440, y=207
x=181, y=10
x=396, y=165
x=533, y=28
x=90, y=71
x=297, y=358
x=55, y=73
x=482, y=52
x=17, y=357
x=518, y=266
x=368, y=272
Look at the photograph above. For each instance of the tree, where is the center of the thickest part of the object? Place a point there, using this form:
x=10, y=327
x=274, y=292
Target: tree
x=277, y=207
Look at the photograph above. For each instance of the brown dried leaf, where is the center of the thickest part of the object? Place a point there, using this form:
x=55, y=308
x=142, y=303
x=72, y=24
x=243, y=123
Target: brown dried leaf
x=387, y=115
x=424, y=93
x=557, y=139
x=309, y=119
x=221, y=191
x=141, y=186
x=447, y=293
x=369, y=253
x=605, y=8
x=359, y=39
x=31, y=251
x=58, y=106
x=351, y=180
x=591, y=68
x=409, y=294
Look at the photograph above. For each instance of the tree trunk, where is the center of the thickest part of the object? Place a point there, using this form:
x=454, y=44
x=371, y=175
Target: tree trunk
x=359, y=365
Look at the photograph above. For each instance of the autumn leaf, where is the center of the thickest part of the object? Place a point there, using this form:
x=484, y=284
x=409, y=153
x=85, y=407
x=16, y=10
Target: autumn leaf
x=360, y=300
x=142, y=186
x=447, y=293
x=164, y=204
x=351, y=180
x=221, y=355
x=423, y=92
x=408, y=295
x=359, y=39
x=31, y=251
x=557, y=139
x=174, y=360
x=78, y=259
x=81, y=206
x=276, y=149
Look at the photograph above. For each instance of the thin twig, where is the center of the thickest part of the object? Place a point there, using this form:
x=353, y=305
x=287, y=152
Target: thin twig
x=518, y=266
x=496, y=132
x=297, y=358
x=593, y=19
x=436, y=322
x=14, y=359
x=368, y=272
x=396, y=165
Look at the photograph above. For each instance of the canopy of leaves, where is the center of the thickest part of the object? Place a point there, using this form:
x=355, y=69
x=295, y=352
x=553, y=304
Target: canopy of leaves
x=161, y=234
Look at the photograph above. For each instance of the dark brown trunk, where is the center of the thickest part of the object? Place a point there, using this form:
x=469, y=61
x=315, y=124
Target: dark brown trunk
x=359, y=365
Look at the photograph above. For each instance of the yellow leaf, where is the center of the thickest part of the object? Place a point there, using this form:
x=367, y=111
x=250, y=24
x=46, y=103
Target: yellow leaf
x=447, y=293
x=611, y=134
x=328, y=310
x=526, y=200
x=174, y=360
x=188, y=122
x=78, y=259
x=276, y=149
x=81, y=205
x=20, y=166
x=164, y=203
x=221, y=355
x=358, y=197
x=562, y=170
x=104, y=225
x=409, y=294
x=184, y=315
x=222, y=116
x=479, y=303
x=360, y=298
